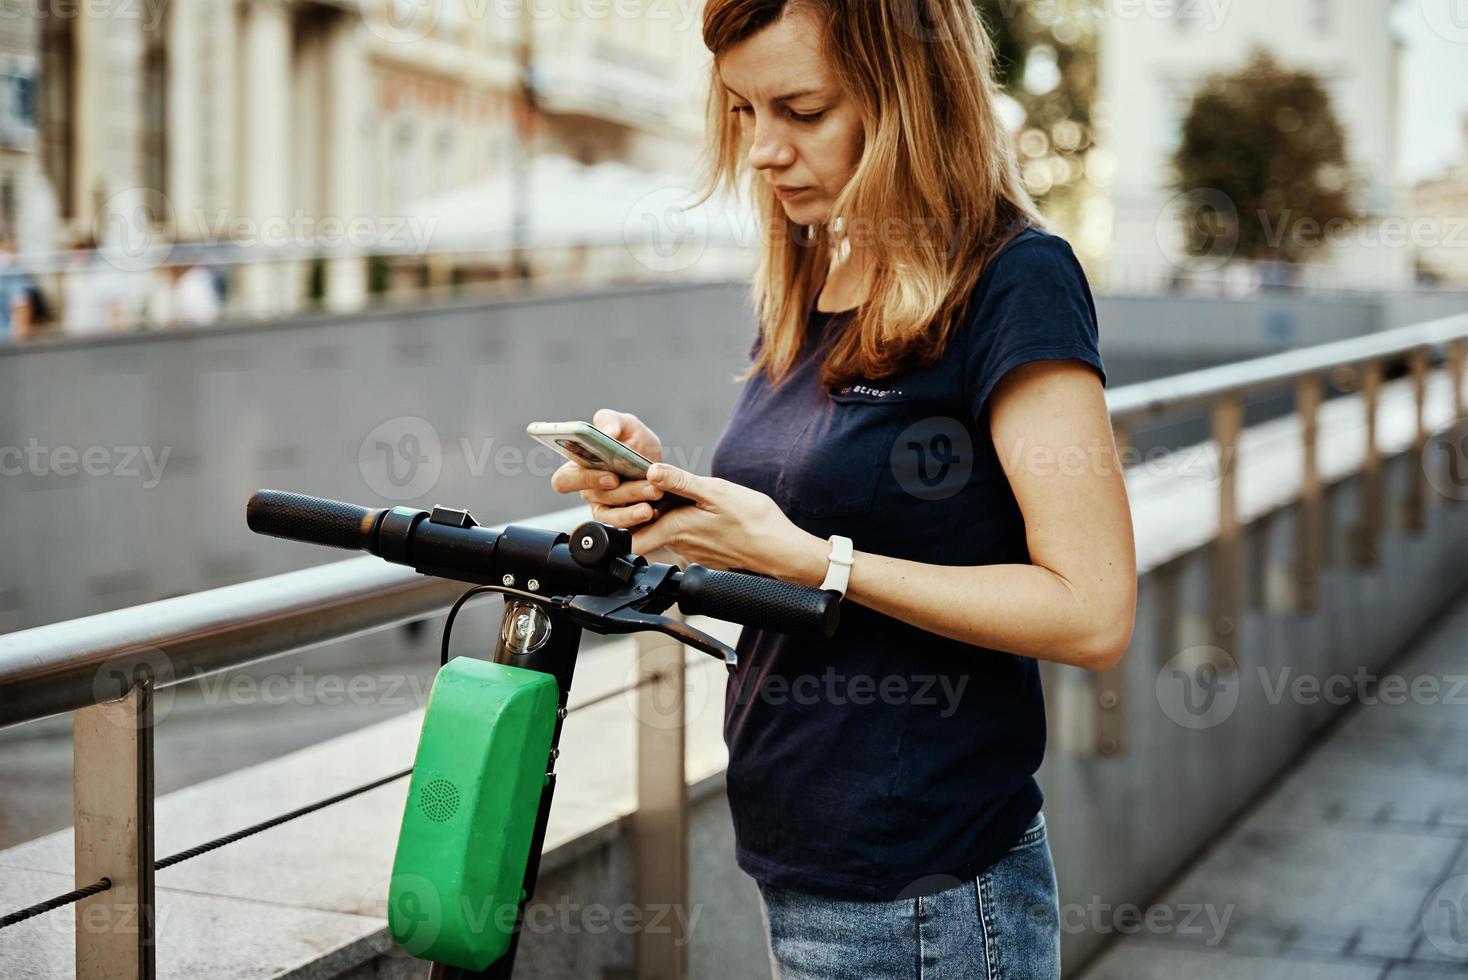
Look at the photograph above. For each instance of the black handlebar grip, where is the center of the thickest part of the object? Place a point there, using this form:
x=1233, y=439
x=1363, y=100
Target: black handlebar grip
x=758, y=601
x=314, y=520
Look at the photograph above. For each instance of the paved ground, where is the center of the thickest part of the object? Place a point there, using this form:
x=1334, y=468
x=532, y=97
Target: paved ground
x=1354, y=868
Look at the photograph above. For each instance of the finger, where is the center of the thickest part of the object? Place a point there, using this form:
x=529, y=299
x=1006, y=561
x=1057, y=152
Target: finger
x=622, y=516
x=700, y=489
x=630, y=492
x=573, y=476
x=612, y=422
x=661, y=533
x=630, y=430
x=649, y=538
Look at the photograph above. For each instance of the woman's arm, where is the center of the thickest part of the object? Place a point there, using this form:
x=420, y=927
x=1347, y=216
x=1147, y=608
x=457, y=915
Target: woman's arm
x=1076, y=603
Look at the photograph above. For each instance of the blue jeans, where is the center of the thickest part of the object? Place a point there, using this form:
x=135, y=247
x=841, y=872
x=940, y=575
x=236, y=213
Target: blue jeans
x=1003, y=924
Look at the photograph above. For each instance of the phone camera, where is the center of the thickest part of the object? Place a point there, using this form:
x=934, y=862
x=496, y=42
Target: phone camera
x=579, y=451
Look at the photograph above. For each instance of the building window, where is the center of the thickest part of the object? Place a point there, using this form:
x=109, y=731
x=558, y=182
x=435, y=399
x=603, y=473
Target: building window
x=443, y=162
x=155, y=115
x=56, y=109
x=17, y=102
x=8, y=215
x=404, y=168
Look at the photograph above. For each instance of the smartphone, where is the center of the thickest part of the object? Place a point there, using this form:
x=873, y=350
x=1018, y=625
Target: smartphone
x=586, y=445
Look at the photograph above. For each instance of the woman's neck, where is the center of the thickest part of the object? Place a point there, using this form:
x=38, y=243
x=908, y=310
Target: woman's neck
x=846, y=286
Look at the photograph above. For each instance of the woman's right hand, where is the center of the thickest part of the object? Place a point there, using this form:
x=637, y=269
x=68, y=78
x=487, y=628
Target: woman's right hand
x=615, y=501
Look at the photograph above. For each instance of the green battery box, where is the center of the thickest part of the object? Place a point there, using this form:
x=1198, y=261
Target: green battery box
x=459, y=872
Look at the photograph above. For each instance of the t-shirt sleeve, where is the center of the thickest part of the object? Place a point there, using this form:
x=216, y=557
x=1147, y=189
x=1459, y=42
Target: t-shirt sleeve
x=1037, y=306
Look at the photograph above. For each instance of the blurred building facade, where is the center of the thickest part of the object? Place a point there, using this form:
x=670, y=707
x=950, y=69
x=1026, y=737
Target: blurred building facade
x=291, y=121
x=1440, y=207
x=1154, y=57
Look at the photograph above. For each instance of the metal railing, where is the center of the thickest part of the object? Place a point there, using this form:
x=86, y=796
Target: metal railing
x=105, y=668
x=1222, y=390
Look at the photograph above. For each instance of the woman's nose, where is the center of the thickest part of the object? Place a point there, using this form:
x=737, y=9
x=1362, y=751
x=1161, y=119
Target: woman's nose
x=769, y=149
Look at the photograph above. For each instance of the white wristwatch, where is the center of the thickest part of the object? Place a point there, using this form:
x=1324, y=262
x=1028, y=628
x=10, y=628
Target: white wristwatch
x=838, y=572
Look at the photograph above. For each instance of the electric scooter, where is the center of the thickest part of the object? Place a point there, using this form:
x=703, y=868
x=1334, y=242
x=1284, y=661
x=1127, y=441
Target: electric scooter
x=474, y=823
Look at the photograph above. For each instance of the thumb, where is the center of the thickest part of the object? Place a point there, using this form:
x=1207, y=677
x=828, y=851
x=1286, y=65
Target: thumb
x=681, y=482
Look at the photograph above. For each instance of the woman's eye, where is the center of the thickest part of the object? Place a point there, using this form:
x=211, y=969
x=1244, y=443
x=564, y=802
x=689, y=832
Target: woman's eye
x=800, y=117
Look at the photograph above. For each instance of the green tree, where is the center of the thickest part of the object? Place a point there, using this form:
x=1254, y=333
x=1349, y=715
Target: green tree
x=1046, y=54
x=1266, y=141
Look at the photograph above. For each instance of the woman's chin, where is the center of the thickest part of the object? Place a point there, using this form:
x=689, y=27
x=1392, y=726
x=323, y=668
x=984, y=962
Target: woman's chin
x=805, y=212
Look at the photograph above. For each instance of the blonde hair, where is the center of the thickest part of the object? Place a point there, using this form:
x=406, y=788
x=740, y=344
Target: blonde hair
x=937, y=166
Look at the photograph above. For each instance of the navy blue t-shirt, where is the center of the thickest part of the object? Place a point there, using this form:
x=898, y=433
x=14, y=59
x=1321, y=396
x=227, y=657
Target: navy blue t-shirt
x=888, y=760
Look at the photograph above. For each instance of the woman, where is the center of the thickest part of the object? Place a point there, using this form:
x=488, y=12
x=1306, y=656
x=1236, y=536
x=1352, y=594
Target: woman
x=927, y=384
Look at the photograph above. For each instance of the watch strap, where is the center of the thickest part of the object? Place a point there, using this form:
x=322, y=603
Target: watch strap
x=838, y=569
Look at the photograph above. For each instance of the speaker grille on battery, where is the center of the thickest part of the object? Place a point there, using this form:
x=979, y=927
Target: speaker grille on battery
x=439, y=800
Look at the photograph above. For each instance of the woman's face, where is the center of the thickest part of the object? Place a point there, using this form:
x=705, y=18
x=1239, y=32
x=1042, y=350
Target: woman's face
x=799, y=129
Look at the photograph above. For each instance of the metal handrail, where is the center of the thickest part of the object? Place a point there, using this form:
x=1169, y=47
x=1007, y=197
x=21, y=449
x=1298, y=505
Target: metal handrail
x=1135, y=401
x=52, y=669
x=70, y=665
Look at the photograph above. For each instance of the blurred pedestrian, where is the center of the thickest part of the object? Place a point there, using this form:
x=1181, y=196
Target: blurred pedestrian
x=17, y=295
x=185, y=295
x=92, y=300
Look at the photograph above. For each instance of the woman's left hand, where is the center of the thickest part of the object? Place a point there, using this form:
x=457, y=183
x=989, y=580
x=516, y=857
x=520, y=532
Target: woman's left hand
x=728, y=526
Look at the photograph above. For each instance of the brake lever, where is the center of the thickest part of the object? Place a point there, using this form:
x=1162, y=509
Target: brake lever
x=615, y=614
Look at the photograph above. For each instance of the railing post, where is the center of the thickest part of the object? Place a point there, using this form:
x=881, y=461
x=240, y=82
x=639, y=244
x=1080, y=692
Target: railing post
x=1309, y=527
x=1457, y=355
x=1228, y=422
x=1371, y=484
x=1109, y=689
x=112, y=748
x=661, y=824
x=1417, y=495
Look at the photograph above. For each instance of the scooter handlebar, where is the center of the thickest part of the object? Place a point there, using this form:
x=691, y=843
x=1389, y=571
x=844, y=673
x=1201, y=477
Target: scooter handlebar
x=314, y=520
x=758, y=601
